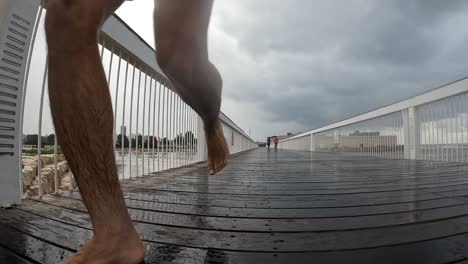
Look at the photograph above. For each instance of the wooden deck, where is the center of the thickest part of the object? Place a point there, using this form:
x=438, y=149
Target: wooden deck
x=270, y=207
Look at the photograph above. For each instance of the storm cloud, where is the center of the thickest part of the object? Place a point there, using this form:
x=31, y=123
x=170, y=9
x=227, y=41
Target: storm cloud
x=305, y=64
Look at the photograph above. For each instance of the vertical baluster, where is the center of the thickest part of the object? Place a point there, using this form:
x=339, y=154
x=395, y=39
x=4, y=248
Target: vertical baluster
x=143, y=128
x=131, y=123
x=447, y=130
x=154, y=124
x=443, y=134
x=116, y=102
x=171, y=130
x=185, y=135
x=373, y=138
x=388, y=139
x=166, y=117
x=122, y=130
x=440, y=139
x=176, y=128
x=452, y=128
x=160, y=123
x=192, y=128
x=196, y=134
x=137, y=154
x=464, y=117
x=459, y=128
x=149, y=124
x=426, y=132
x=395, y=134
x=56, y=179
x=179, y=132
x=423, y=126
x=39, y=137
x=435, y=131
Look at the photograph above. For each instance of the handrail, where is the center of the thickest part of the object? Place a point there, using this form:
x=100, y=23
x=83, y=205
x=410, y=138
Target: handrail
x=453, y=88
x=430, y=126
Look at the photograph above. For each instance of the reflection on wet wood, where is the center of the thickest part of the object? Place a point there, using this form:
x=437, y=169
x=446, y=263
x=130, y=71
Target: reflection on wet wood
x=269, y=207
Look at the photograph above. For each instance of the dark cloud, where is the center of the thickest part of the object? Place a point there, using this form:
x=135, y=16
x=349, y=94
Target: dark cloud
x=310, y=63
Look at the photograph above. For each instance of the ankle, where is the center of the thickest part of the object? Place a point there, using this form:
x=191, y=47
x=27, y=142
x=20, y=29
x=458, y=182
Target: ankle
x=211, y=124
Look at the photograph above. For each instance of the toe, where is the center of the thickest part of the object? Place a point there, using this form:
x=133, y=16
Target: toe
x=211, y=170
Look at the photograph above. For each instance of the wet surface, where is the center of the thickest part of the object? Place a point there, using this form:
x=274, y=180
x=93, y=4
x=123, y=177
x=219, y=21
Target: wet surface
x=269, y=207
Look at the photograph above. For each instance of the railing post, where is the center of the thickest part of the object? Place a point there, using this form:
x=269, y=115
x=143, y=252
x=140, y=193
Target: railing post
x=312, y=142
x=412, y=149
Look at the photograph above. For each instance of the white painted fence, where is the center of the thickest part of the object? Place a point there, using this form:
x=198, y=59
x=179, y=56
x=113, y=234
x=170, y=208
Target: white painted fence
x=430, y=126
x=166, y=133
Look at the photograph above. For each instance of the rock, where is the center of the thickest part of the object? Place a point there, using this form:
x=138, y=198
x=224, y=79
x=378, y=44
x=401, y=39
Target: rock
x=28, y=176
x=30, y=180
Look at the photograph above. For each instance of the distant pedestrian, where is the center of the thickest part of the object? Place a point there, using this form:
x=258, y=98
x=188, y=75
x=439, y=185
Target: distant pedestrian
x=276, y=141
x=268, y=142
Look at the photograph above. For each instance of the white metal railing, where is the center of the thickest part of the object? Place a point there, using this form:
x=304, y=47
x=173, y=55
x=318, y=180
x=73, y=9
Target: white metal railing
x=431, y=126
x=154, y=129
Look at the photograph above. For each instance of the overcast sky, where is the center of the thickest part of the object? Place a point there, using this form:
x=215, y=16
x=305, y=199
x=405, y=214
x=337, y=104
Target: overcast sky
x=295, y=65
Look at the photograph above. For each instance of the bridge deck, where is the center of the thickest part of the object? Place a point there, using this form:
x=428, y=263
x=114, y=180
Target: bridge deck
x=270, y=207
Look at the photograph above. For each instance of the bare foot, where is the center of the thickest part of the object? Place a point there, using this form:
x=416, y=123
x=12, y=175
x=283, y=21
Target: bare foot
x=218, y=150
x=125, y=250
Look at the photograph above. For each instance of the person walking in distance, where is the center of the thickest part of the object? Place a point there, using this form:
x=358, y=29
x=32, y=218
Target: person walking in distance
x=268, y=142
x=276, y=141
x=82, y=110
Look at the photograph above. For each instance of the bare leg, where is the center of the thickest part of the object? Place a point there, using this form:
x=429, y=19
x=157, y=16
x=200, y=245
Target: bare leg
x=182, y=52
x=83, y=118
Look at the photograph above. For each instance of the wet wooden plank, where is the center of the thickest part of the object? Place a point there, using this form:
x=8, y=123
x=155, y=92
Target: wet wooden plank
x=56, y=206
x=283, y=213
x=282, y=242
x=38, y=237
x=271, y=201
x=279, y=207
x=7, y=256
x=434, y=251
x=30, y=247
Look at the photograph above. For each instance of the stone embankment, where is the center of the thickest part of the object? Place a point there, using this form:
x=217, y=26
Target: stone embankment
x=30, y=179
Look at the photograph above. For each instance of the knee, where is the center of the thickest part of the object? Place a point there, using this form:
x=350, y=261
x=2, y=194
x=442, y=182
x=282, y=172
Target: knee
x=170, y=57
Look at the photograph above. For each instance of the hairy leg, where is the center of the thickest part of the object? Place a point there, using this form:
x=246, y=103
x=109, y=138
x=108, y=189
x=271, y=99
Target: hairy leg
x=182, y=52
x=82, y=113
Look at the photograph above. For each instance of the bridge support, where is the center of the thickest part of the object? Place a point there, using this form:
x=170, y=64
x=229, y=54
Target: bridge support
x=17, y=27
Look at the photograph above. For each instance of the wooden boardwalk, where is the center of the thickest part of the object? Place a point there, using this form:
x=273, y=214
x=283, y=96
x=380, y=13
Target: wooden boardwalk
x=270, y=207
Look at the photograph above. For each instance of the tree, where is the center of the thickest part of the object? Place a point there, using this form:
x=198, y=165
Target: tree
x=150, y=140
x=51, y=139
x=189, y=136
x=126, y=143
x=31, y=140
x=140, y=141
x=164, y=142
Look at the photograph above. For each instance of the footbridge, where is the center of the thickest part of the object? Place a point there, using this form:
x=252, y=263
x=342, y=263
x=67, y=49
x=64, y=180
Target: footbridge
x=387, y=186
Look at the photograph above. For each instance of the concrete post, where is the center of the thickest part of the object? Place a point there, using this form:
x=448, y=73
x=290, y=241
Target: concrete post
x=312, y=142
x=412, y=135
